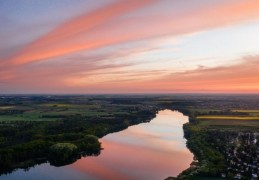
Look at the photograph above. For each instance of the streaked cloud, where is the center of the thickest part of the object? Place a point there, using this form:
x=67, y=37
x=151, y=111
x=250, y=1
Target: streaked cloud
x=67, y=38
x=96, y=29
x=241, y=78
x=131, y=46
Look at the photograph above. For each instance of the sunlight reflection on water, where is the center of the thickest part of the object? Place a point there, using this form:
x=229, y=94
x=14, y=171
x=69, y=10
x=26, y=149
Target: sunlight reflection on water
x=152, y=150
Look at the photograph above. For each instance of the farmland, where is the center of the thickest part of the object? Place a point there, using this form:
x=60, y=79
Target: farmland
x=228, y=121
x=248, y=118
x=47, y=112
x=28, y=123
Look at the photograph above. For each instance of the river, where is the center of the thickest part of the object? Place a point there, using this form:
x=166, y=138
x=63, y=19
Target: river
x=154, y=150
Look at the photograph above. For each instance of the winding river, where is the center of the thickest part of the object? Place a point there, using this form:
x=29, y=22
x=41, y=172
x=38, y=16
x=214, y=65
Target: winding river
x=154, y=150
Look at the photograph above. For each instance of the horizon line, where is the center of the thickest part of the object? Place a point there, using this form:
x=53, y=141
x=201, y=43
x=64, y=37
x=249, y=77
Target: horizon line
x=92, y=94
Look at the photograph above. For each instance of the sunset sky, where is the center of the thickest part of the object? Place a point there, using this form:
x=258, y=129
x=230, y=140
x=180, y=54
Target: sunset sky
x=129, y=46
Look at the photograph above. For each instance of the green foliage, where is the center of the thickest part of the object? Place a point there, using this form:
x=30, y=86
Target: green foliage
x=62, y=153
x=30, y=126
x=89, y=145
x=15, y=155
x=62, y=150
x=202, y=143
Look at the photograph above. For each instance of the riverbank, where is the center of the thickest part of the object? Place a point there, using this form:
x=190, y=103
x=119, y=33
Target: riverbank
x=25, y=143
x=222, y=153
x=223, y=148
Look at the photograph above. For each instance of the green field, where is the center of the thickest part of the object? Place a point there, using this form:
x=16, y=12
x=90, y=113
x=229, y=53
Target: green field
x=6, y=107
x=229, y=123
x=247, y=111
x=251, y=112
x=215, y=117
x=249, y=121
x=52, y=111
x=203, y=110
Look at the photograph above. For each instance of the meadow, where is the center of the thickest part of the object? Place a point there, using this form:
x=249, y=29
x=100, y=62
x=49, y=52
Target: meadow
x=249, y=120
x=53, y=112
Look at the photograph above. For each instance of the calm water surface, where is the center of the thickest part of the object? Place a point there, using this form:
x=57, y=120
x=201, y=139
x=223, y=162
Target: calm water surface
x=152, y=150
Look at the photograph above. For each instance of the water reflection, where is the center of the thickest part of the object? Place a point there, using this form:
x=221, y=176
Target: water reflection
x=152, y=150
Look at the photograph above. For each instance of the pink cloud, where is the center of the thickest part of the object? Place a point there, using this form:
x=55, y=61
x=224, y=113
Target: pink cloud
x=62, y=71
x=104, y=28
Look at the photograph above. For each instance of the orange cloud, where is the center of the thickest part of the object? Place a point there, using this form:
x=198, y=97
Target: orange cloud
x=239, y=78
x=109, y=26
x=243, y=78
x=102, y=27
x=46, y=46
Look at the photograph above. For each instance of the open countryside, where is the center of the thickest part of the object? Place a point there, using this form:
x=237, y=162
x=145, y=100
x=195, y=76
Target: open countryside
x=129, y=89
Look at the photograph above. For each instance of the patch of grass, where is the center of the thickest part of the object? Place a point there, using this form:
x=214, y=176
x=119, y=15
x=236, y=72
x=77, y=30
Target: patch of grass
x=250, y=112
x=216, y=117
x=229, y=121
x=203, y=110
x=6, y=107
x=9, y=118
x=56, y=105
x=247, y=111
x=247, y=123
